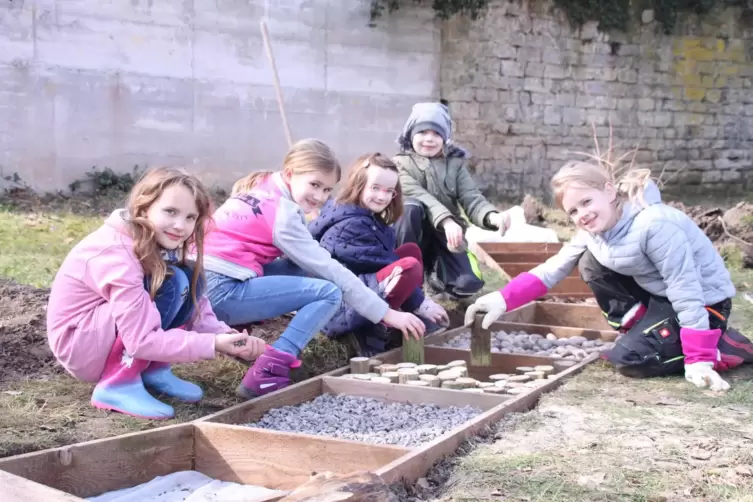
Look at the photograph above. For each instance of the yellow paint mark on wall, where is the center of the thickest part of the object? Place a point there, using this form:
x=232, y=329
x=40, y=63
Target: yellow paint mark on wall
x=694, y=93
x=702, y=66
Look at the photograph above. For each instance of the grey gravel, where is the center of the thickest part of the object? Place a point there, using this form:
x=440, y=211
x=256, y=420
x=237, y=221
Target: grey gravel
x=367, y=419
x=520, y=342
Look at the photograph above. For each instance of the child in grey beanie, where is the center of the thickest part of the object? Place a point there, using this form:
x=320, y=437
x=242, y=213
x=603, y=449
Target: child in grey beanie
x=437, y=184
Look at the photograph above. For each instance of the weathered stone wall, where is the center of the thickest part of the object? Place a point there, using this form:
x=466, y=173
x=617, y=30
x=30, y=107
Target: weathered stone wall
x=524, y=88
x=112, y=84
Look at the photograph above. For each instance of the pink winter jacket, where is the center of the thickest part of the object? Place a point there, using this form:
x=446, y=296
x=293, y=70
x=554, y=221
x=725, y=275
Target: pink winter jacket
x=253, y=229
x=99, y=286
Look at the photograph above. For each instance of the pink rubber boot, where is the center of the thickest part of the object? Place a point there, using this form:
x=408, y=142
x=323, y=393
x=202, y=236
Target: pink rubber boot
x=121, y=389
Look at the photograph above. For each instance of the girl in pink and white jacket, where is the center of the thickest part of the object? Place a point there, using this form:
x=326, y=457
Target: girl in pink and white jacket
x=248, y=280
x=653, y=272
x=125, y=303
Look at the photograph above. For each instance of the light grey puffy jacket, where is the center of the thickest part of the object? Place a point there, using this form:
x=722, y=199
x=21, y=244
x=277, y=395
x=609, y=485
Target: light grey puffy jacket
x=662, y=249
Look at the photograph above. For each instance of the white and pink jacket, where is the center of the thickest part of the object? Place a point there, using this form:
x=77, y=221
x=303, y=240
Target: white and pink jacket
x=100, y=289
x=254, y=228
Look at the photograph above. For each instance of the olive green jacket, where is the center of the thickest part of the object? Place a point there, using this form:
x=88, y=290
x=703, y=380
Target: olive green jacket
x=444, y=185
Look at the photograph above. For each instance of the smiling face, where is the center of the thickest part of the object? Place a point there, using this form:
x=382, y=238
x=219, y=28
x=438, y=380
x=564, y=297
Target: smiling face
x=379, y=189
x=591, y=209
x=427, y=143
x=311, y=189
x=174, y=216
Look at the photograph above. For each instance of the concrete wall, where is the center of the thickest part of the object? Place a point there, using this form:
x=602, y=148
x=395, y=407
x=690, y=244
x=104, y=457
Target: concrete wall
x=123, y=82
x=524, y=89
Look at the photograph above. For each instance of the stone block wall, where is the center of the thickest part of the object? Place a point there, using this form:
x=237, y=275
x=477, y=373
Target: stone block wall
x=524, y=90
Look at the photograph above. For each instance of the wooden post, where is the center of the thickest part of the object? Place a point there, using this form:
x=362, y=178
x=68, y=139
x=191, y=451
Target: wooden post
x=481, y=344
x=278, y=89
x=413, y=350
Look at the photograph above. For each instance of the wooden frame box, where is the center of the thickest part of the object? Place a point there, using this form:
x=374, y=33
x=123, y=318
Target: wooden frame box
x=415, y=462
x=513, y=258
x=559, y=314
x=558, y=331
x=245, y=455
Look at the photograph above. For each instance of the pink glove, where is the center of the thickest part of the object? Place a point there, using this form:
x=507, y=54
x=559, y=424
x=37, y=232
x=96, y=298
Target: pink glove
x=700, y=345
x=525, y=288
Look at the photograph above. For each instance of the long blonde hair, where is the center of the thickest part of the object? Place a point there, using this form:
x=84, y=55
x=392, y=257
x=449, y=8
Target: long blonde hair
x=305, y=156
x=146, y=192
x=357, y=178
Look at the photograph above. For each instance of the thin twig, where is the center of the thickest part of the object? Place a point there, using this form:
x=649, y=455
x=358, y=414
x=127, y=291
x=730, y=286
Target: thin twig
x=738, y=239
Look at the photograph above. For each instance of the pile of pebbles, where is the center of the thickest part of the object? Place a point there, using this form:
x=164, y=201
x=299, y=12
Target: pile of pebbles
x=454, y=376
x=575, y=348
x=367, y=419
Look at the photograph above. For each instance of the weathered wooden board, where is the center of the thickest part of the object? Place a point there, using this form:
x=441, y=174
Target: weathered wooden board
x=94, y=467
x=279, y=460
x=238, y=454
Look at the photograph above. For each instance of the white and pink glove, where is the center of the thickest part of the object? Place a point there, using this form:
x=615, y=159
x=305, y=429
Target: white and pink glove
x=525, y=288
x=701, y=356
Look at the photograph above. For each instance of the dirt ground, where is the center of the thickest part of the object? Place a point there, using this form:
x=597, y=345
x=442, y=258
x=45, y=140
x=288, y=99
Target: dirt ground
x=24, y=352
x=604, y=437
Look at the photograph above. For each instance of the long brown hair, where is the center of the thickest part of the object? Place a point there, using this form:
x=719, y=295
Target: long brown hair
x=146, y=192
x=357, y=178
x=305, y=156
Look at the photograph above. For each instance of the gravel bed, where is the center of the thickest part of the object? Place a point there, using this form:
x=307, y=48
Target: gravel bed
x=519, y=342
x=367, y=419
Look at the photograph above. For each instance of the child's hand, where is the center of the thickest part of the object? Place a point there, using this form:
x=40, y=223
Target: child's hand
x=454, y=233
x=501, y=221
x=240, y=345
x=409, y=324
x=433, y=311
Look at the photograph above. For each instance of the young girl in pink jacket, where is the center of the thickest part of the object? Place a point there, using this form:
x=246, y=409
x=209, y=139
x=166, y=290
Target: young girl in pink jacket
x=126, y=303
x=248, y=279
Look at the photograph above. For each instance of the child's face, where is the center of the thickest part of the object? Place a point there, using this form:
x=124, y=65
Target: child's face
x=591, y=209
x=427, y=143
x=174, y=216
x=312, y=189
x=379, y=189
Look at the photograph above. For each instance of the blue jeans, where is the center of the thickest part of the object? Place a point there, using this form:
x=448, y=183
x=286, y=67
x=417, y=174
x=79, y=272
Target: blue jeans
x=283, y=288
x=173, y=298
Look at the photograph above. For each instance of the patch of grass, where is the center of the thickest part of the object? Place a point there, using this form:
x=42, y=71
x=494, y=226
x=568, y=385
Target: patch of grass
x=34, y=244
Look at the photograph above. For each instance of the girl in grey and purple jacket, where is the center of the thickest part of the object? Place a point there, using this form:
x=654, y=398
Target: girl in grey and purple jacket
x=654, y=273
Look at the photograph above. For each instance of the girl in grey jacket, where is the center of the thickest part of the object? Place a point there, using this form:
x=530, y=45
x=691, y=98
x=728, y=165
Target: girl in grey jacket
x=654, y=273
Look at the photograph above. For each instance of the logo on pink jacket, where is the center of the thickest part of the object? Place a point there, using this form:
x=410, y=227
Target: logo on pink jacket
x=243, y=228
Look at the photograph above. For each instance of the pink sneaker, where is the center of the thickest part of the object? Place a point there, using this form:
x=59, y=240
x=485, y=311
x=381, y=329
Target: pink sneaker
x=270, y=372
